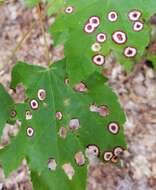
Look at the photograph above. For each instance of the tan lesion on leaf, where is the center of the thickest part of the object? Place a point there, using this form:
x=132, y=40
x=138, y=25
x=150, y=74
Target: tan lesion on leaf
x=28, y=115
x=67, y=102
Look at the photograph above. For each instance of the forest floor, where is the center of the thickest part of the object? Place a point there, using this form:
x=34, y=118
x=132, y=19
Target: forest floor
x=137, y=93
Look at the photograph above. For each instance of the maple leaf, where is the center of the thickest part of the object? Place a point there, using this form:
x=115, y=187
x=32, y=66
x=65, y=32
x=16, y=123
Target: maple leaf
x=61, y=126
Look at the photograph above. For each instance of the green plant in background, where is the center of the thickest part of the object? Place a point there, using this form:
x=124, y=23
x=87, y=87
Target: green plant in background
x=69, y=113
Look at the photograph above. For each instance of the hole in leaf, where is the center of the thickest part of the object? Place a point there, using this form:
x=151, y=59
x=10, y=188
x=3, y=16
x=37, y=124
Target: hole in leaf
x=69, y=170
x=81, y=87
x=149, y=63
x=52, y=164
x=114, y=159
x=74, y=124
x=63, y=132
x=93, y=150
x=102, y=110
x=58, y=115
x=66, y=81
x=80, y=158
x=19, y=93
x=93, y=108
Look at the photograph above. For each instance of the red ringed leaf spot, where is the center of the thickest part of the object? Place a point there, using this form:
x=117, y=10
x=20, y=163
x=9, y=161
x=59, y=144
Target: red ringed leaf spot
x=119, y=37
x=107, y=156
x=98, y=59
x=30, y=131
x=101, y=37
x=41, y=94
x=13, y=113
x=118, y=150
x=138, y=26
x=94, y=21
x=130, y=52
x=134, y=15
x=69, y=10
x=89, y=28
x=34, y=104
x=112, y=16
x=113, y=128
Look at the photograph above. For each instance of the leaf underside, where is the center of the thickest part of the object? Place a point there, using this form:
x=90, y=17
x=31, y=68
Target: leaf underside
x=69, y=28
x=46, y=142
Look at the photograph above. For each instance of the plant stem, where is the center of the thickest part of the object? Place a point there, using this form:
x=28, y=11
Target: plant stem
x=44, y=34
x=19, y=44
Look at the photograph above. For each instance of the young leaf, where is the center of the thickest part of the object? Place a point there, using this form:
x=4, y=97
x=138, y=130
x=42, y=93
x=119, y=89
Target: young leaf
x=59, y=124
x=99, y=27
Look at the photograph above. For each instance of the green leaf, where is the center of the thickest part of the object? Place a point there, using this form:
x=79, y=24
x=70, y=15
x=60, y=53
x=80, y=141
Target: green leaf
x=60, y=108
x=5, y=107
x=32, y=3
x=78, y=44
x=54, y=6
